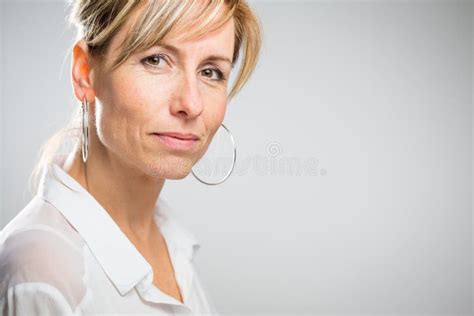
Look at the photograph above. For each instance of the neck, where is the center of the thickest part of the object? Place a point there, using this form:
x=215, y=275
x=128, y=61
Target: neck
x=128, y=194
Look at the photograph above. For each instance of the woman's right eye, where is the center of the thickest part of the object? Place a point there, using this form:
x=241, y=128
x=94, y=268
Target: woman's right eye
x=153, y=60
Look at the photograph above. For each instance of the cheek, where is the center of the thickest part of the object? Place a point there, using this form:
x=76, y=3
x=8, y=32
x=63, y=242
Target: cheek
x=120, y=115
x=214, y=117
x=113, y=127
x=217, y=116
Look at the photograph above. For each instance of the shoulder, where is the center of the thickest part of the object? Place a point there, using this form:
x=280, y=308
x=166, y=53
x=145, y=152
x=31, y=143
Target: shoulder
x=37, y=212
x=38, y=231
x=38, y=217
x=39, y=253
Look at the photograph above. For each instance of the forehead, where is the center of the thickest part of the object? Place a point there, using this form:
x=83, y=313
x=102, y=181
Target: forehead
x=220, y=40
x=195, y=25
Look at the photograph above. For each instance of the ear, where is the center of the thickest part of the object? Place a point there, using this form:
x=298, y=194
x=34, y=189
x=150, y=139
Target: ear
x=82, y=74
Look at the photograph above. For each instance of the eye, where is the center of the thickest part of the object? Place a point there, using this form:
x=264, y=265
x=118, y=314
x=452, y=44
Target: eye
x=153, y=60
x=208, y=72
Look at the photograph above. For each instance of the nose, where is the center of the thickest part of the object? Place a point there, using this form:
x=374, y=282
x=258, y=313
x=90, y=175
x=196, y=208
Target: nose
x=188, y=103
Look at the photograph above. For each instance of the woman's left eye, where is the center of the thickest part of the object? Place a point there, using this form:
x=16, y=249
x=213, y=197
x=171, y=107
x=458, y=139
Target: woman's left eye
x=208, y=72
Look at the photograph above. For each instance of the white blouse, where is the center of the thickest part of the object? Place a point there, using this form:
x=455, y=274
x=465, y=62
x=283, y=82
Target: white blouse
x=64, y=255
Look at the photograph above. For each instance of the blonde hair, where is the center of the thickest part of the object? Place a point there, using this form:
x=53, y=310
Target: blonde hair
x=97, y=22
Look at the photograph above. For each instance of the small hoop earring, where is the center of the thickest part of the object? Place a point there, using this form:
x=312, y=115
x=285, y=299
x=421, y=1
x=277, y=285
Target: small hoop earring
x=85, y=129
x=231, y=168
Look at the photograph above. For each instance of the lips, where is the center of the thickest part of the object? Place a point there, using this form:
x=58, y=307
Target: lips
x=183, y=136
x=177, y=141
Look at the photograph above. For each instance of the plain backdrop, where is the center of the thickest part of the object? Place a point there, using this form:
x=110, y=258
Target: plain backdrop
x=353, y=187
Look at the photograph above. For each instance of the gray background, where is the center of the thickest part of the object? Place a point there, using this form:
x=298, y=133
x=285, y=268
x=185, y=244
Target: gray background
x=374, y=96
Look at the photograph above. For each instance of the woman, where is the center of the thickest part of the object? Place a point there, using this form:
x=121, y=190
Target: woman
x=151, y=80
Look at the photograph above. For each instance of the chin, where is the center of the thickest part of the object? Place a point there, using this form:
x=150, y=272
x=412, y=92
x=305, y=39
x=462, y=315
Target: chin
x=172, y=167
x=176, y=176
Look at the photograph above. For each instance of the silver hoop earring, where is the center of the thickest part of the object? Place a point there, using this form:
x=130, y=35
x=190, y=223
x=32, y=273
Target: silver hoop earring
x=85, y=129
x=231, y=168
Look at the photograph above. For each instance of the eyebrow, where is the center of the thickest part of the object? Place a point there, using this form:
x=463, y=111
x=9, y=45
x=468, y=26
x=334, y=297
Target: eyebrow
x=177, y=52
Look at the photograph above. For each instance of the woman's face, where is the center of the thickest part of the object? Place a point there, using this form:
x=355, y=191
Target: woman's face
x=179, y=86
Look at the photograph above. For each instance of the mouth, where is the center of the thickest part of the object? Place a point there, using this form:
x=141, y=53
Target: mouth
x=177, y=141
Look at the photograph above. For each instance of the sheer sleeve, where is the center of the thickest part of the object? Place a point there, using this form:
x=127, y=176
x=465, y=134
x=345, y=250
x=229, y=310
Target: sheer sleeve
x=41, y=273
x=34, y=298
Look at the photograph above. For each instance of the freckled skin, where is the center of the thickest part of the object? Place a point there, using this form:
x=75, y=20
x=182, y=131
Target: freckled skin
x=136, y=100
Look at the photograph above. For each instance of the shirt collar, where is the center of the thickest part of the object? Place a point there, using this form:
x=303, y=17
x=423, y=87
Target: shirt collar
x=119, y=258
